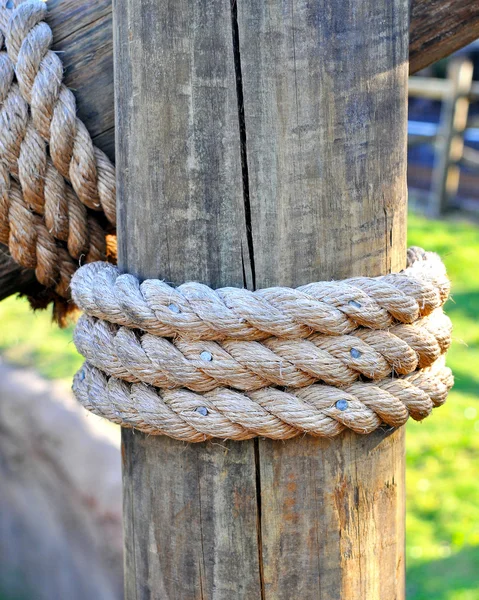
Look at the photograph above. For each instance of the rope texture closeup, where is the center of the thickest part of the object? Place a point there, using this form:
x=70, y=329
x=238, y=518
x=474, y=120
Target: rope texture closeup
x=54, y=183
x=195, y=363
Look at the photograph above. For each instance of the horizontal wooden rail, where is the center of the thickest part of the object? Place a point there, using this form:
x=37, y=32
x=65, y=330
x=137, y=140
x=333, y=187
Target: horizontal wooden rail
x=440, y=27
x=83, y=33
x=436, y=89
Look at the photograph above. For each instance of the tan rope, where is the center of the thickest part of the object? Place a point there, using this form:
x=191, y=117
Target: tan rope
x=318, y=410
x=39, y=72
x=202, y=366
x=44, y=147
x=215, y=355
x=44, y=190
x=31, y=244
x=196, y=311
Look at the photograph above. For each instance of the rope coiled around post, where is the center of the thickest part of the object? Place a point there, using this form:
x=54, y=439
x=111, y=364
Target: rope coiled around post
x=195, y=363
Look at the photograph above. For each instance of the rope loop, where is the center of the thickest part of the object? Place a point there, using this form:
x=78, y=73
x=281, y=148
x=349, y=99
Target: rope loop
x=195, y=363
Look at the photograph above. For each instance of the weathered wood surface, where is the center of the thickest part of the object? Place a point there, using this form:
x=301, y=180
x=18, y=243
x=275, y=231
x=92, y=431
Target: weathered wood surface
x=322, y=194
x=190, y=511
x=83, y=32
x=439, y=28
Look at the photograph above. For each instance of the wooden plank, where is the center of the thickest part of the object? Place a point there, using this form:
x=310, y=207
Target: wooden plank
x=325, y=98
x=439, y=28
x=190, y=511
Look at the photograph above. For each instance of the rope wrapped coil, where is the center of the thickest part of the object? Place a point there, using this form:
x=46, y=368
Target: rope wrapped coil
x=54, y=183
x=195, y=363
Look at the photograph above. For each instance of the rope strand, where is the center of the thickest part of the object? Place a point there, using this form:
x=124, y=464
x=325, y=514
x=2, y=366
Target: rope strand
x=318, y=410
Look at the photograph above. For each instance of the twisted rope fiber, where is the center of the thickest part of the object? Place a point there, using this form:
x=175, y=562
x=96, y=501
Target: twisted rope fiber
x=213, y=356
x=44, y=189
x=29, y=241
x=195, y=311
x=43, y=146
x=202, y=366
x=318, y=409
x=39, y=72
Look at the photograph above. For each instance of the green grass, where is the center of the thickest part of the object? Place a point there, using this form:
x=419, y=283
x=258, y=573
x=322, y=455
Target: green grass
x=30, y=339
x=442, y=452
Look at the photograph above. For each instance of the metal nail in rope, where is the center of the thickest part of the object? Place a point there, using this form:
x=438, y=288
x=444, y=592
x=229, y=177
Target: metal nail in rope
x=195, y=363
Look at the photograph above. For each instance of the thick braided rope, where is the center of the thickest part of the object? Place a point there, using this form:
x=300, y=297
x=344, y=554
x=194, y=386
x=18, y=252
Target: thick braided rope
x=235, y=364
x=31, y=244
x=195, y=311
x=44, y=189
x=44, y=223
x=204, y=365
x=39, y=73
x=318, y=409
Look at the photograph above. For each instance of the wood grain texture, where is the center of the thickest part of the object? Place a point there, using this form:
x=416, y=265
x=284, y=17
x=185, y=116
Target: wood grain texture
x=325, y=100
x=333, y=517
x=322, y=194
x=190, y=511
x=326, y=183
x=439, y=28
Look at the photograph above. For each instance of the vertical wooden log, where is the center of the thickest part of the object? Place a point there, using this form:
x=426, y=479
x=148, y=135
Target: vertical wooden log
x=262, y=144
x=189, y=510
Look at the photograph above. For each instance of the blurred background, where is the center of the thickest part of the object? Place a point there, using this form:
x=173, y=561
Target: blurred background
x=79, y=457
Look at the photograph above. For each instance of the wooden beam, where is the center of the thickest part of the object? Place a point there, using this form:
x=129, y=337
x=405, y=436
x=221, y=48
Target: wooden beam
x=13, y=278
x=262, y=145
x=83, y=33
x=439, y=28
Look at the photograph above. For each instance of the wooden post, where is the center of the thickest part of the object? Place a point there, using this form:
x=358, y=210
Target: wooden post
x=262, y=143
x=450, y=139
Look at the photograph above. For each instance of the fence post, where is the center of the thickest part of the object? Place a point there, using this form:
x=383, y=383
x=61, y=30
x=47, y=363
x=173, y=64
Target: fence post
x=449, y=144
x=262, y=143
